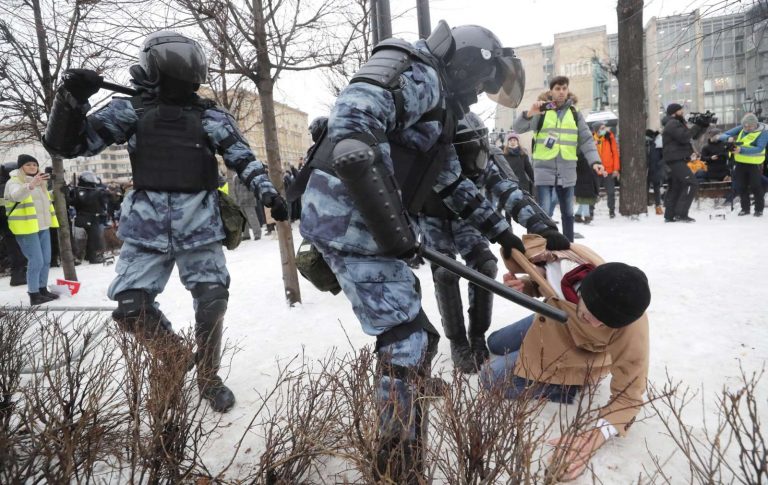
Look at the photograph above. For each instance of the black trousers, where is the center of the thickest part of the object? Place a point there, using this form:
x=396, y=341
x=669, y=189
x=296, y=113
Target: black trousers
x=746, y=177
x=682, y=190
x=95, y=244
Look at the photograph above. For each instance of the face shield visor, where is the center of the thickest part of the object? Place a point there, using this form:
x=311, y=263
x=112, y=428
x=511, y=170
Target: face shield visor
x=177, y=57
x=508, y=84
x=472, y=150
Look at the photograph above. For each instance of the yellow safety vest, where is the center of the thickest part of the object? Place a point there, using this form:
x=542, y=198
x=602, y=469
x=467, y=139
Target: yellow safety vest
x=224, y=188
x=567, y=132
x=748, y=140
x=22, y=218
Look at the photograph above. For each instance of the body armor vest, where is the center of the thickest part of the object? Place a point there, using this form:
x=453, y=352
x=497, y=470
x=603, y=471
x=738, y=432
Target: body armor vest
x=173, y=153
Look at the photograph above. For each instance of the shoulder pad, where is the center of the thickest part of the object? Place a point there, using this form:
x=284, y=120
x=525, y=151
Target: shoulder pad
x=205, y=103
x=388, y=61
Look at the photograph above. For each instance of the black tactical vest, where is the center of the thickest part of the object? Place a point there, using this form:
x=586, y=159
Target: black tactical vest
x=416, y=171
x=173, y=153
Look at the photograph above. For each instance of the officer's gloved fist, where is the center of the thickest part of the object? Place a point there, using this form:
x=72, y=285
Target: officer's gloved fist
x=82, y=83
x=278, y=206
x=508, y=242
x=555, y=240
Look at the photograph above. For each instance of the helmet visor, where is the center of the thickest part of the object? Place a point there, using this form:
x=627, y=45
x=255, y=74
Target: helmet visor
x=508, y=86
x=179, y=58
x=473, y=155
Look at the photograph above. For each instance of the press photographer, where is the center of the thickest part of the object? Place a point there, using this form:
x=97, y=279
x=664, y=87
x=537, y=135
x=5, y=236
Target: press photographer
x=747, y=142
x=677, y=149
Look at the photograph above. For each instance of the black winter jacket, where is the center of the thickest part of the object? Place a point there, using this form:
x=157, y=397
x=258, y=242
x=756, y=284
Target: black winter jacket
x=676, y=140
x=520, y=163
x=587, y=183
x=716, y=169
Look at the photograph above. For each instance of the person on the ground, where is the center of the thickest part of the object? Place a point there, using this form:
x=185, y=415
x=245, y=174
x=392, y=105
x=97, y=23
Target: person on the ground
x=609, y=155
x=171, y=217
x=677, y=151
x=606, y=334
x=559, y=131
x=716, y=155
x=518, y=160
x=392, y=129
x=445, y=231
x=30, y=214
x=749, y=152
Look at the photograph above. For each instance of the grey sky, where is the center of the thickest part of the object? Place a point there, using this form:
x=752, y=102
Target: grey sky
x=516, y=23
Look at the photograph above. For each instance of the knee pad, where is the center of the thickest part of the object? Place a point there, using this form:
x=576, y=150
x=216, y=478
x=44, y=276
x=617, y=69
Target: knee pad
x=482, y=259
x=211, y=301
x=136, y=312
x=488, y=267
x=442, y=276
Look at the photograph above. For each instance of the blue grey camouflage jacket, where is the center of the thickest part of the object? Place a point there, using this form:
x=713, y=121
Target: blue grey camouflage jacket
x=165, y=221
x=328, y=213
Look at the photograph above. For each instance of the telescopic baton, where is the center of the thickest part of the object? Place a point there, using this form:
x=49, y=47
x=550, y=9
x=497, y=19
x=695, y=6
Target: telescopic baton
x=492, y=285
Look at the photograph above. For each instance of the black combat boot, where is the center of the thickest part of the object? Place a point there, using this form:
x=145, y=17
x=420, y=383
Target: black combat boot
x=480, y=312
x=452, y=314
x=211, y=306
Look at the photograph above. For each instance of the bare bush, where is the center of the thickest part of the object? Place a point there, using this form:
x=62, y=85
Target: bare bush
x=734, y=450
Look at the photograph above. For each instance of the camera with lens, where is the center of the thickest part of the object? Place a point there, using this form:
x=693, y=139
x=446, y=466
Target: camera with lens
x=731, y=146
x=702, y=119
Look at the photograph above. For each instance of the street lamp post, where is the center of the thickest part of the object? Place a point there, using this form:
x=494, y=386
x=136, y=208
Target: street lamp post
x=755, y=103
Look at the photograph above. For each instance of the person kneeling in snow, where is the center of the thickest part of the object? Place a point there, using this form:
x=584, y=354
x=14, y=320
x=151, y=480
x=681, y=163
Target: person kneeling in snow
x=606, y=333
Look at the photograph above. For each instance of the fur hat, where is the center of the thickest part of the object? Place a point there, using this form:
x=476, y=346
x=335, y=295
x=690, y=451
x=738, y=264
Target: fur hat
x=616, y=294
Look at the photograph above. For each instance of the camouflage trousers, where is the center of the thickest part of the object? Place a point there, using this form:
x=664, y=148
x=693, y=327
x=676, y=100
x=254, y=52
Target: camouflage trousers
x=144, y=269
x=384, y=293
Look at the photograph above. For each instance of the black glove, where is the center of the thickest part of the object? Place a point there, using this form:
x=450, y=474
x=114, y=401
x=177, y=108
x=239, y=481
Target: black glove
x=555, y=240
x=278, y=206
x=508, y=242
x=82, y=83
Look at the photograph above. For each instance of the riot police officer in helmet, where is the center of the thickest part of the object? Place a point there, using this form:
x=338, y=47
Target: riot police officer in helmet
x=90, y=203
x=172, y=216
x=391, y=131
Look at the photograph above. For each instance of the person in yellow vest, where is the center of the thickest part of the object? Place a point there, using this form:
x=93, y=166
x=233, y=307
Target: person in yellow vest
x=750, y=140
x=30, y=214
x=606, y=334
x=559, y=131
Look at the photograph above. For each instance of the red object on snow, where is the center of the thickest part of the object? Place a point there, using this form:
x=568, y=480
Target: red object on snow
x=72, y=286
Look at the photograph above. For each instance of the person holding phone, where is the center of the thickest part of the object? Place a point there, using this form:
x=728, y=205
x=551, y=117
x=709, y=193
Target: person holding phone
x=30, y=214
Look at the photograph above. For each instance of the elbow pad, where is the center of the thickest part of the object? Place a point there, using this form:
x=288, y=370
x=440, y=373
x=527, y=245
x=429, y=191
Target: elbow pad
x=375, y=193
x=65, y=130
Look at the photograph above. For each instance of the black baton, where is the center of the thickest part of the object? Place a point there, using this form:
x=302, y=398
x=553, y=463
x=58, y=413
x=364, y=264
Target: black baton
x=492, y=285
x=118, y=88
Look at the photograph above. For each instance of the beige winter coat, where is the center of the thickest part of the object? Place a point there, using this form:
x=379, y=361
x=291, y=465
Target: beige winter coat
x=576, y=353
x=17, y=190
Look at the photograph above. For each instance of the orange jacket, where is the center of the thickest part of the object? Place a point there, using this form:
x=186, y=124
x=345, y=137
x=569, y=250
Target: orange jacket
x=609, y=152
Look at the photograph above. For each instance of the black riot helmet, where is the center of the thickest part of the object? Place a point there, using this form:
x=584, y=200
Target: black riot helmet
x=317, y=127
x=169, y=54
x=476, y=62
x=87, y=179
x=471, y=144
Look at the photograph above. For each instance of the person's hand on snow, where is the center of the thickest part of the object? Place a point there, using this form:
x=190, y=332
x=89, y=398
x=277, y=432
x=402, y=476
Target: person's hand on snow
x=572, y=453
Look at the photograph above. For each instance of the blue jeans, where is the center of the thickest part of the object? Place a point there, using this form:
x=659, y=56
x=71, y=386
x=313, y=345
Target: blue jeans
x=565, y=196
x=37, y=249
x=498, y=372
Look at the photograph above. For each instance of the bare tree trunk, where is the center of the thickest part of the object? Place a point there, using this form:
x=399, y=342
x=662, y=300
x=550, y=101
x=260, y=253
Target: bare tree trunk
x=265, y=86
x=632, y=108
x=59, y=202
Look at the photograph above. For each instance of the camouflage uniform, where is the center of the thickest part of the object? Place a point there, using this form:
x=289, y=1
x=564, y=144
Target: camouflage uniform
x=452, y=236
x=383, y=291
x=168, y=226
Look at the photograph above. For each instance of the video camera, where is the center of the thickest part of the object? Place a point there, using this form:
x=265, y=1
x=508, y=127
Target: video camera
x=731, y=145
x=702, y=119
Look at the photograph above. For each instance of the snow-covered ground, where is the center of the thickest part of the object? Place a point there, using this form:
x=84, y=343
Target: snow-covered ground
x=707, y=314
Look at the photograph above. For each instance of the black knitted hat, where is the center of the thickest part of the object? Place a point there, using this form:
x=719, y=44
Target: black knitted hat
x=673, y=108
x=616, y=294
x=24, y=158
